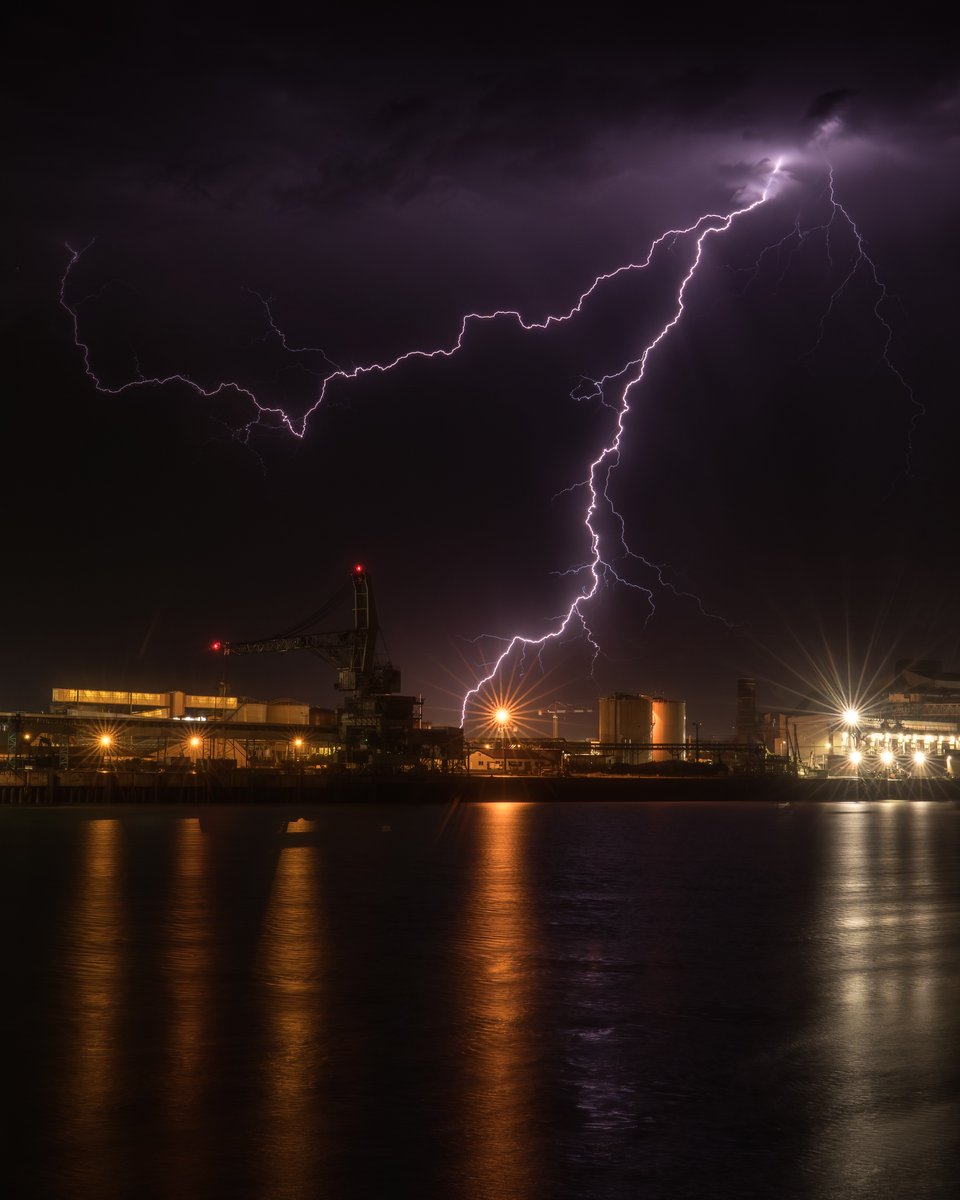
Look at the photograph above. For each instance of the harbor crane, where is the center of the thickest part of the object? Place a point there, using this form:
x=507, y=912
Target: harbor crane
x=556, y=711
x=373, y=709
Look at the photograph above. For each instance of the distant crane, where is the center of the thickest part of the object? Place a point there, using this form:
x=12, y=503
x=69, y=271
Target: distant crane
x=556, y=711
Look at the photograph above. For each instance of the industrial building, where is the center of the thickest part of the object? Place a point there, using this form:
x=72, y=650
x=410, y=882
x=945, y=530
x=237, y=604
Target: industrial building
x=176, y=727
x=108, y=729
x=375, y=727
x=911, y=723
x=914, y=721
x=514, y=759
x=176, y=705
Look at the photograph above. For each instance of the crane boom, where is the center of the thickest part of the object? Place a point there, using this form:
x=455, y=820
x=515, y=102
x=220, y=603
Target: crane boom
x=336, y=648
x=374, y=719
x=351, y=651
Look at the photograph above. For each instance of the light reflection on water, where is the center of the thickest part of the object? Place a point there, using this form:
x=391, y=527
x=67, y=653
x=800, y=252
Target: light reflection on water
x=95, y=964
x=496, y=988
x=292, y=972
x=503, y=1000
x=885, y=1034
x=188, y=966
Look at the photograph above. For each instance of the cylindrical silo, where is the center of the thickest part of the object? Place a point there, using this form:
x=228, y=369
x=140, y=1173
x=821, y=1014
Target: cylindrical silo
x=626, y=720
x=669, y=726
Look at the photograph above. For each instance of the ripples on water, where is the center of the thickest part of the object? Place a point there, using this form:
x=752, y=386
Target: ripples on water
x=489, y=1001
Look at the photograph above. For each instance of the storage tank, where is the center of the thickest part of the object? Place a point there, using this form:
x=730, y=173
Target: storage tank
x=626, y=719
x=288, y=712
x=250, y=710
x=669, y=725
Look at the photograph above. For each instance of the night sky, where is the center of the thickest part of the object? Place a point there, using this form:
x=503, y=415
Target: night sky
x=376, y=179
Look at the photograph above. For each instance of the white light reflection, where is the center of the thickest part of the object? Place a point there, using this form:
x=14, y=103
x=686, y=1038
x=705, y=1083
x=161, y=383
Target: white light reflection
x=877, y=1050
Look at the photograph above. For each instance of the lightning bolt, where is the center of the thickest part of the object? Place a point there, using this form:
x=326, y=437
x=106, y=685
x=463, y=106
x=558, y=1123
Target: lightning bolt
x=630, y=375
x=863, y=261
x=298, y=427
x=597, y=567
x=140, y=380
x=614, y=390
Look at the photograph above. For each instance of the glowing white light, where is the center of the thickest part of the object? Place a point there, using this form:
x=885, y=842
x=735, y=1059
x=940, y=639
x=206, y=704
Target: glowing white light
x=502, y=716
x=856, y=757
x=887, y=758
x=851, y=716
x=919, y=757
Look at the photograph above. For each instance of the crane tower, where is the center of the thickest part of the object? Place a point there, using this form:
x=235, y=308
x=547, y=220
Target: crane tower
x=374, y=714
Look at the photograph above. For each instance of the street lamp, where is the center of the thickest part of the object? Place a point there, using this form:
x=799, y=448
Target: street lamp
x=105, y=743
x=851, y=718
x=502, y=718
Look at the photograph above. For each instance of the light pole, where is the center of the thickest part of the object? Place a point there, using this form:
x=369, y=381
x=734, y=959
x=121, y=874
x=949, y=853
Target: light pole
x=502, y=718
x=851, y=718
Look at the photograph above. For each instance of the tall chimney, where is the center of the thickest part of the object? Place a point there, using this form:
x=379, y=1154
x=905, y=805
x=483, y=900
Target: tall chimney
x=747, y=732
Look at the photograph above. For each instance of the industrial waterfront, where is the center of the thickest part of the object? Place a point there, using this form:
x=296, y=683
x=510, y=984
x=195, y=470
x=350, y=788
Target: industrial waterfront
x=266, y=948
x=123, y=746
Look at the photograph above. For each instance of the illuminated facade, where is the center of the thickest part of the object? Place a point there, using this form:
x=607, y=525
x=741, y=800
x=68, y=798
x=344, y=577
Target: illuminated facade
x=80, y=702
x=513, y=760
x=182, y=706
x=914, y=723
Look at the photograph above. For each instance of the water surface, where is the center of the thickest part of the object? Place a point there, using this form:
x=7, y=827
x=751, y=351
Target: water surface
x=525, y=1001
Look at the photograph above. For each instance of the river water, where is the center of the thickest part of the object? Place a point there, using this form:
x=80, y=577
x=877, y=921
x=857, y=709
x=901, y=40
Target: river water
x=511, y=1001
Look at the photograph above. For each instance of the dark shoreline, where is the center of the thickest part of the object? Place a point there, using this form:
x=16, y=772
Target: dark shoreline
x=55, y=789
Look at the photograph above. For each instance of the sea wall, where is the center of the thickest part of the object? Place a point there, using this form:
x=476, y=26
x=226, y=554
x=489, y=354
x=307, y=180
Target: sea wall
x=91, y=787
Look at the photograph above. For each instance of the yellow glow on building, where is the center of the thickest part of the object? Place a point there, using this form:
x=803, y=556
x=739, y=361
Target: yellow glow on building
x=148, y=704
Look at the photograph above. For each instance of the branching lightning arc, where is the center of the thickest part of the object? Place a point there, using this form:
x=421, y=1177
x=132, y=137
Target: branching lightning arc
x=620, y=384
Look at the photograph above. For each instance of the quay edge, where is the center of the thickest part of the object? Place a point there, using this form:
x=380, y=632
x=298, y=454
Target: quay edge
x=79, y=788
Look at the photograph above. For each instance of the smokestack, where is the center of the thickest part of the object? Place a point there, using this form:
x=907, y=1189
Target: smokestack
x=747, y=732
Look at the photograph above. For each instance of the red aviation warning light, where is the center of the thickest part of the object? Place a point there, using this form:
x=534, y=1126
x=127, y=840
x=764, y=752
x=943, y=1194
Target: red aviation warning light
x=358, y=569
x=216, y=646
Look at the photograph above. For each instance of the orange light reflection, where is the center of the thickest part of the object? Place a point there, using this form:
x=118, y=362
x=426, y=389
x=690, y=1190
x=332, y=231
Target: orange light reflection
x=296, y=1054
x=188, y=969
x=498, y=943
x=93, y=965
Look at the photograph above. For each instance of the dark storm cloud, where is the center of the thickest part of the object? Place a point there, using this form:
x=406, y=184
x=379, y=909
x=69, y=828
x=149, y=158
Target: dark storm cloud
x=327, y=112
x=827, y=103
